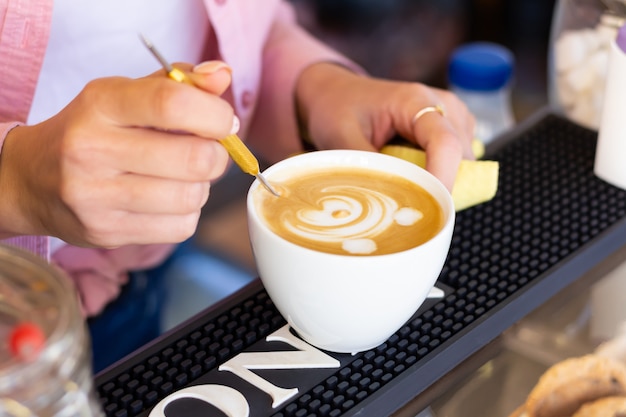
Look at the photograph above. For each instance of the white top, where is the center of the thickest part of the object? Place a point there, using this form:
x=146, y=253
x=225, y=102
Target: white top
x=98, y=38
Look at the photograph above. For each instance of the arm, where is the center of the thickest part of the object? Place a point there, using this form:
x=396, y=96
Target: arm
x=99, y=273
x=5, y=233
x=288, y=51
x=35, y=244
x=88, y=168
x=341, y=107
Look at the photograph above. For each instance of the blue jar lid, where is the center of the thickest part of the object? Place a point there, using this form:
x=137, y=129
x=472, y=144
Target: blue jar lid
x=480, y=66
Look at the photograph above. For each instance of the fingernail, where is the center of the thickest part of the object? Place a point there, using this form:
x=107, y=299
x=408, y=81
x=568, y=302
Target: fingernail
x=211, y=67
x=236, y=125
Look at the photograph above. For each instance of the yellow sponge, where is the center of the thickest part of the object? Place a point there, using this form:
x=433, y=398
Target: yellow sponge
x=476, y=181
x=478, y=148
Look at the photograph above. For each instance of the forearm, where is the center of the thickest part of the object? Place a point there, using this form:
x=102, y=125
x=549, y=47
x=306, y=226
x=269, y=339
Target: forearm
x=289, y=51
x=316, y=81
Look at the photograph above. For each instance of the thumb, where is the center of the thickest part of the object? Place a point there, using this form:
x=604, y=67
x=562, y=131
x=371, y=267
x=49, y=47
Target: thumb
x=212, y=76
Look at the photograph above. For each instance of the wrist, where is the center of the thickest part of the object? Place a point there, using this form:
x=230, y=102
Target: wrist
x=313, y=84
x=13, y=212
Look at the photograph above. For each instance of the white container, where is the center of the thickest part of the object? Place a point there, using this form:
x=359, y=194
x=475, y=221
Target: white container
x=611, y=146
x=480, y=74
x=608, y=308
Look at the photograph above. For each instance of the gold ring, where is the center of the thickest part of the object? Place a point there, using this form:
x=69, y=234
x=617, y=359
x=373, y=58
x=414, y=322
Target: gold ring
x=438, y=108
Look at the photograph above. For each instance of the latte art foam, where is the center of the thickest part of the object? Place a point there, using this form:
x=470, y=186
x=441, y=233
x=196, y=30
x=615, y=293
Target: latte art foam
x=351, y=216
x=352, y=211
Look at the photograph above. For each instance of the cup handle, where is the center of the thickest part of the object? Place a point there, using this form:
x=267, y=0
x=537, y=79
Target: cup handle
x=436, y=293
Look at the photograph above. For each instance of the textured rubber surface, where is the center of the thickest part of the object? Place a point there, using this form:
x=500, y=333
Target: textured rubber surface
x=551, y=221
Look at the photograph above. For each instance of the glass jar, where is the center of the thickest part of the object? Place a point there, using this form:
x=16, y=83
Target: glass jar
x=481, y=74
x=581, y=33
x=45, y=356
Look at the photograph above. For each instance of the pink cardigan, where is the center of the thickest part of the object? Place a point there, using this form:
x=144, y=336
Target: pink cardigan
x=262, y=43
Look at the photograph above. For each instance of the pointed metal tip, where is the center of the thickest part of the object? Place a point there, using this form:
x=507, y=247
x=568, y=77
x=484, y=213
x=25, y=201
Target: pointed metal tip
x=164, y=63
x=146, y=41
x=267, y=185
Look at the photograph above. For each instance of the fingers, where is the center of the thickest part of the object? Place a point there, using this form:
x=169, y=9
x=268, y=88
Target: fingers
x=443, y=149
x=158, y=102
x=162, y=154
x=146, y=195
x=461, y=120
x=153, y=228
x=458, y=119
x=212, y=76
x=149, y=195
x=124, y=208
x=445, y=135
x=137, y=229
x=120, y=208
x=133, y=209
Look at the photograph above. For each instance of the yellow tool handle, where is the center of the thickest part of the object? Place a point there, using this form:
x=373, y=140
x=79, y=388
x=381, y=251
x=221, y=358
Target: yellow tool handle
x=179, y=76
x=235, y=147
x=241, y=154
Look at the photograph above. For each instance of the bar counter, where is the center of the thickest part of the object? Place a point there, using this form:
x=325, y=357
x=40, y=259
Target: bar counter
x=551, y=226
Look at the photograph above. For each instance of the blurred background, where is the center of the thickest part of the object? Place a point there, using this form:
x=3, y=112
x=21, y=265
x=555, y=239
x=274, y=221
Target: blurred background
x=413, y=39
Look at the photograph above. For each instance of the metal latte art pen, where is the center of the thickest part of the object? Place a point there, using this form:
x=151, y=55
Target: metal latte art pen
x=235, y=147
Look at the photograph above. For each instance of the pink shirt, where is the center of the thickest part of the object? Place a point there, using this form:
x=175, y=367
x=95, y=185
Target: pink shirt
x=262, y=43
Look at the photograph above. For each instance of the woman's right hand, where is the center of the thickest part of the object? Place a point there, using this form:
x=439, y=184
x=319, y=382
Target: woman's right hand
x=128, y=161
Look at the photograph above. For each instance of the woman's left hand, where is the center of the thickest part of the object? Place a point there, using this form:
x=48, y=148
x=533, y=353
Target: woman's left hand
x=341, y=109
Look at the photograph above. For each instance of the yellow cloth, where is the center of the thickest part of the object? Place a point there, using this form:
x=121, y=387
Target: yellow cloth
x=476, y=181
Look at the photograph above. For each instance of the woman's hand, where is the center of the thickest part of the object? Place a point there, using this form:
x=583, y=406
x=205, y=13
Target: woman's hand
x=341, y=109
x=126, y=162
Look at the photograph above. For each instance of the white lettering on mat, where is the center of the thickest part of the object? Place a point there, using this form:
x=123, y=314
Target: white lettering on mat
x=232, y=402
x=228, y=400
x=306, y=357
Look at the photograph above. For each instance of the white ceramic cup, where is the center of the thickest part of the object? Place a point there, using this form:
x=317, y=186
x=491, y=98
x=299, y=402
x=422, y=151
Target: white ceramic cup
x=344, y=303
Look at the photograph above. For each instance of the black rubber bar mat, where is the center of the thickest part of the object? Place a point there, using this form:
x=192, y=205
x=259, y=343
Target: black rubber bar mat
x=551, y=221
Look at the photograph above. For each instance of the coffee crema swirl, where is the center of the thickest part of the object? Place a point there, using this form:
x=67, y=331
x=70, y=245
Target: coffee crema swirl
x=352, y=211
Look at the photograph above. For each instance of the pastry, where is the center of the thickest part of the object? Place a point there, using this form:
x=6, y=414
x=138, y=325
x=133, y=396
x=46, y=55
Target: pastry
x=569, y=384
x=604, y=407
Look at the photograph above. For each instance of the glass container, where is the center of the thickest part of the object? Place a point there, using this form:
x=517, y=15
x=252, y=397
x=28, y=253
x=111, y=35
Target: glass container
x=581, y=33
x=45, y=355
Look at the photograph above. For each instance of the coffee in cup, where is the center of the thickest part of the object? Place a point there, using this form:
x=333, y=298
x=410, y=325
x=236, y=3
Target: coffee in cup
x=351, y=211
x=353, y=245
